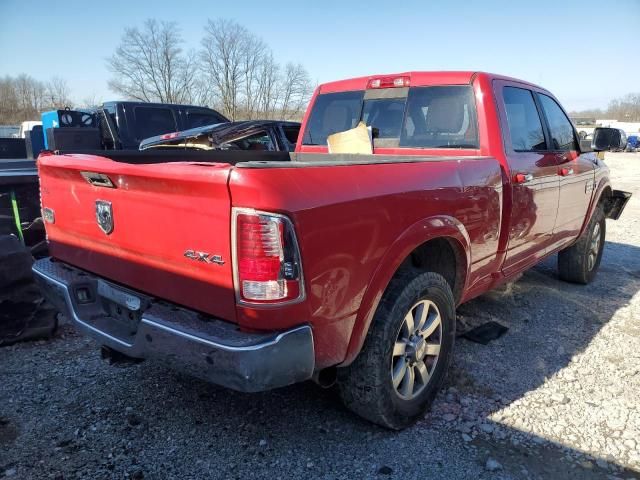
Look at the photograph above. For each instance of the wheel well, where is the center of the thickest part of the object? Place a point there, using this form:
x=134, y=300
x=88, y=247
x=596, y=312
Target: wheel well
x=440, y=255
x=605, y=198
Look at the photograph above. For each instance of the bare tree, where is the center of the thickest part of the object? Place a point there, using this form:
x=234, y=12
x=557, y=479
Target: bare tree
x=224, y=58
x=244, y=78
x=22, y=98
x=92, y=101
x=57, y=93
x=296, y=87
x=268, y=93
x=625, y=109
x=150, y=64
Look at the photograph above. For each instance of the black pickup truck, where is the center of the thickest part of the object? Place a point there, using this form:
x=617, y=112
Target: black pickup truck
x=124, y=125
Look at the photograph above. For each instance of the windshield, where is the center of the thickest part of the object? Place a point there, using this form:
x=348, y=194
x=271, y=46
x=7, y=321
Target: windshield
x=420, y=117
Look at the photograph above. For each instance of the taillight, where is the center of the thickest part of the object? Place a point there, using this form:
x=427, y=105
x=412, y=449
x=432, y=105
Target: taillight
x=169, y=136
x=389, y=82
x=266, y=260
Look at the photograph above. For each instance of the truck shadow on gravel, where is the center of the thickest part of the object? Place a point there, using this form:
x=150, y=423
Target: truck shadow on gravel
x=549, y=323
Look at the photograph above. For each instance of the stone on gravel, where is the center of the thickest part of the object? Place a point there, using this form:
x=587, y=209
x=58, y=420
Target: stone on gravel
x=384, y=470
x=560, y=398
x=487, y=427
x=492, y=465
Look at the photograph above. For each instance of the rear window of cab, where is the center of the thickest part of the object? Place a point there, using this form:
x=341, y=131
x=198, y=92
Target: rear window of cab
x=415, y=117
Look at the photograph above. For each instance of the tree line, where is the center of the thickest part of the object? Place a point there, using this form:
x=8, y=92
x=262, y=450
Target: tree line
x=623, y=109
x=233, y=71
x=24, y=98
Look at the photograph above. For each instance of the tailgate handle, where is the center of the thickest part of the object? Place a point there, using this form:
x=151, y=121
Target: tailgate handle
x=98, y=179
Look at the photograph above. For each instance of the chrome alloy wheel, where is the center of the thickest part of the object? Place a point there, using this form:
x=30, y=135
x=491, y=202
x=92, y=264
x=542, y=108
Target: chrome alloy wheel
x=594, y=247
x=416, y=350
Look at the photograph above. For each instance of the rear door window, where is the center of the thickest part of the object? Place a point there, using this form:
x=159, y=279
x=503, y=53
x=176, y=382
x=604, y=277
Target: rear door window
x=260, y=141
x=291, y=134
x=332, y=113
x=562, y=136
x=152, y=121
x=525, y=127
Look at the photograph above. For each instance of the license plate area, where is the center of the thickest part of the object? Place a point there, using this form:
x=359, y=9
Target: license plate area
x=123, y=306
x=127, y=318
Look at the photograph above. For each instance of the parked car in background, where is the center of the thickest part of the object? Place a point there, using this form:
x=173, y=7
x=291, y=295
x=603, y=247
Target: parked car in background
x=26, y=127
x=265, y=135
x=124, y=125
x=623, y=140
x=9, y=131
x=256, y=270
x=633, y=143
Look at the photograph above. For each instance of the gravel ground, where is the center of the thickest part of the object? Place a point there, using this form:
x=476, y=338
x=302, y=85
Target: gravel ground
x=555, y=397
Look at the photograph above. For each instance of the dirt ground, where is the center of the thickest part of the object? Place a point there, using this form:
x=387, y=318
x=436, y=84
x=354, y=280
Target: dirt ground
x=555, y=397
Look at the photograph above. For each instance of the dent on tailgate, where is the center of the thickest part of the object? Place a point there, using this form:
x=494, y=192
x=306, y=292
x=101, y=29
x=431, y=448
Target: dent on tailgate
x=164, y=216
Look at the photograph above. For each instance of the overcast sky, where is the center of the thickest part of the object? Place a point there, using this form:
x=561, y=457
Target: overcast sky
x=586, y=52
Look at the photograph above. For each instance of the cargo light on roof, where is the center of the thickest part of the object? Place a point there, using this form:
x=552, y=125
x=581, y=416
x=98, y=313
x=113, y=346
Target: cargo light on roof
x=389, y=82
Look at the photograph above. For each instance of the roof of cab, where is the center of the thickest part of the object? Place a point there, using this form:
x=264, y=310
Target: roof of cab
x=417, y=79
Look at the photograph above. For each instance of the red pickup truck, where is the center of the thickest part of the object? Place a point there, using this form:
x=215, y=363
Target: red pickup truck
x=256, y=272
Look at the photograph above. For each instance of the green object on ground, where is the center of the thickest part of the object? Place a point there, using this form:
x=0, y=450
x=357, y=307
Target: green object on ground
x=16, y=215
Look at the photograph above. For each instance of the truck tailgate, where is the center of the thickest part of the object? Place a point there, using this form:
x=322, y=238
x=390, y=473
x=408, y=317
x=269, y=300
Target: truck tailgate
x=170, y=233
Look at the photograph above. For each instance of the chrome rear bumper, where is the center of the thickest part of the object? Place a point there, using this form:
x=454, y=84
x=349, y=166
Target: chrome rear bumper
x=145, y=327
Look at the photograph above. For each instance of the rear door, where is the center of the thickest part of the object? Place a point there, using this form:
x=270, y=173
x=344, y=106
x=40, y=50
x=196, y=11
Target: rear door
x=576, y=173
x=534, y=175
x=150, y=121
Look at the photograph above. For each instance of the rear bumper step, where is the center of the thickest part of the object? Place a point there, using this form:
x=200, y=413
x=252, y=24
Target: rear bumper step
x=206, y=347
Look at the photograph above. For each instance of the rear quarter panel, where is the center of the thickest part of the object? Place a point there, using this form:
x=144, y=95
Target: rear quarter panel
x=356, y=223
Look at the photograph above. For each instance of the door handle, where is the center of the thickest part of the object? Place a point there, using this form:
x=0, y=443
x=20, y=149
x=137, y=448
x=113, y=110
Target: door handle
x=566, y=171
x=523, y=177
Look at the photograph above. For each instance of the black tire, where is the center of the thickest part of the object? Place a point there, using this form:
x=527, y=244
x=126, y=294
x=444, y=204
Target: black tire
x=574, y=263
x=366, y=386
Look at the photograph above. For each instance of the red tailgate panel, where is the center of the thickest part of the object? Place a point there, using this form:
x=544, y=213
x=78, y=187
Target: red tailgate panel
x=159, y=212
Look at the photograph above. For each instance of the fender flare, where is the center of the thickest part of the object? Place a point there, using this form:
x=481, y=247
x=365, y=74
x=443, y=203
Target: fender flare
x=431, y=228
x=602, y=186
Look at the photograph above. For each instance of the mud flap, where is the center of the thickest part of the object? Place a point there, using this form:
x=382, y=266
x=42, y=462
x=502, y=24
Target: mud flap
x=616, y=203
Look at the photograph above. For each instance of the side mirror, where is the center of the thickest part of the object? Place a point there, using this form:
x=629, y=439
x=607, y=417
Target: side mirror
x=606, y=139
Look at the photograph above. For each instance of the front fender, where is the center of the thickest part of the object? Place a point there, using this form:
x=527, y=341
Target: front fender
x=414, y=236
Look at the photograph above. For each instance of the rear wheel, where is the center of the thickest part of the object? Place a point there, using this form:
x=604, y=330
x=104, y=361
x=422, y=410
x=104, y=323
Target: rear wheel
x=406, y=353
x=580, y=262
